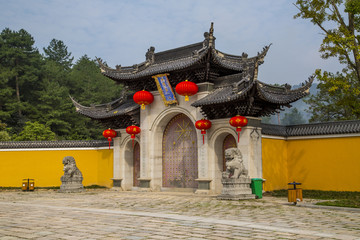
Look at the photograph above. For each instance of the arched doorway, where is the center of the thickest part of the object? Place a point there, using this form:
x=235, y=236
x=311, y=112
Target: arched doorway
x=229, y=142
x=136, y=164
x=179, y=153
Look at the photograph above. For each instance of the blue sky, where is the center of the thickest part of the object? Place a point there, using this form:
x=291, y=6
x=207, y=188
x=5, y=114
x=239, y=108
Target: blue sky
x=121, y=31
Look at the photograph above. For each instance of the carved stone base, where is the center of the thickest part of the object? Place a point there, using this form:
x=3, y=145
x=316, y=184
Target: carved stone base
x=236, y=189
x=71, y=187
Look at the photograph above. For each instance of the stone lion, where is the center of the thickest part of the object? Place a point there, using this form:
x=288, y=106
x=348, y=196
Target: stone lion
x=71, y=172
x=234, y=164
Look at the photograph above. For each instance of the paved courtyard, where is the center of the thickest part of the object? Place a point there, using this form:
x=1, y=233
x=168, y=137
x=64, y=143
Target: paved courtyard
x=109, y=214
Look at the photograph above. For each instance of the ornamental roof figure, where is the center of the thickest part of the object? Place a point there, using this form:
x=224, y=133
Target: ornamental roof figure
x=232, y=83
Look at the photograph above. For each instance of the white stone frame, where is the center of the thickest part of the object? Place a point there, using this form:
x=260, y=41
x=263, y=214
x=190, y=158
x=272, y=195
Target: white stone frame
x=215, y=155
x=123, y=160
x=156, y=134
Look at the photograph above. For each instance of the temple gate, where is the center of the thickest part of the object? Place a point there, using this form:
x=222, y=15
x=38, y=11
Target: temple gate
x=171, y=156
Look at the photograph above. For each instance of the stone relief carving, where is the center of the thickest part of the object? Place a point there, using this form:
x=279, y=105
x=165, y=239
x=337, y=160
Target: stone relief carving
x=255, y=136
x=72, y=178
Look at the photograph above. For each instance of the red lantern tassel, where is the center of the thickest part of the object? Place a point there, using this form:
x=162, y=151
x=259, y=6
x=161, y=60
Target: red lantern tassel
x=238, y=129
x=109, y=139
x=203, y=132
x=133, y=138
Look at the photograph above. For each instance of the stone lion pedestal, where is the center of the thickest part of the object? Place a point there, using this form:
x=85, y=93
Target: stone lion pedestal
x=235, y=180
x=72, y=178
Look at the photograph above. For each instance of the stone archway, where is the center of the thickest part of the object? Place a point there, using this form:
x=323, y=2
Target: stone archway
x=179, y=153
x=229, y=142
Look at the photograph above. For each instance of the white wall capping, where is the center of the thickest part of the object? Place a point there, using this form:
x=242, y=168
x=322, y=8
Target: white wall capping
x=312, y=136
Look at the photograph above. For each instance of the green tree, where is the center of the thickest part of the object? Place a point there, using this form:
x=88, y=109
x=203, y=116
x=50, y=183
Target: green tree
x=57, y=52
x=89, y=86
x=4, y=135
x=339, y=21
x=85, y=82
x=20, y=67
x=34, y=131
x=54, y=102
x=293, y=118
x=6, y=93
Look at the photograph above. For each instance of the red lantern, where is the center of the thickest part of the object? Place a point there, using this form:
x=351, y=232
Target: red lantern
x=133, y=130
x=238, y=122
x=143, y=98
x=186, y=89
x=203, y=125
x=109, y=134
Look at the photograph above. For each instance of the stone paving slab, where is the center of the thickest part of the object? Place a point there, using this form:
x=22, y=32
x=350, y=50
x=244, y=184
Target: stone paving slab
x=107, y=214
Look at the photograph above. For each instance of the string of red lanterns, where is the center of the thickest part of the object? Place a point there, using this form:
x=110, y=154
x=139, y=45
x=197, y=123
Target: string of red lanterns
x=203, y=125
x=143, y=98
x=238, y=122
x=186, y=89
x=109, y=134
x=133, y=130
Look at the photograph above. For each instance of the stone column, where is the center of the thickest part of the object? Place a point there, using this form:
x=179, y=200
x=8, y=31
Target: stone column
x=145, y=145
x=117, y=178
x=250, y=147
x=204, y=177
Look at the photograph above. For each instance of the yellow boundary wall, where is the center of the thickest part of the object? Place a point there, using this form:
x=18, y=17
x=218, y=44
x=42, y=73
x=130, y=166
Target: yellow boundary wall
x=45, y=166
x=328, y=163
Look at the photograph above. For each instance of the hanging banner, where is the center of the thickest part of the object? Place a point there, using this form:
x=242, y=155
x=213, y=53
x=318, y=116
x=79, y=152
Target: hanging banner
x=165, y=89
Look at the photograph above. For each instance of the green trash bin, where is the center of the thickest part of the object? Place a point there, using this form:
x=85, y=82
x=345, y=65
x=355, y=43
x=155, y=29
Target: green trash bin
x=256, y=187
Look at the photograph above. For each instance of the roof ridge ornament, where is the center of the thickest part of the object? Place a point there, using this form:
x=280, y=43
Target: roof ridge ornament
x=103, y=65
x=150, y=55
x=209, y=40
x=211, y=36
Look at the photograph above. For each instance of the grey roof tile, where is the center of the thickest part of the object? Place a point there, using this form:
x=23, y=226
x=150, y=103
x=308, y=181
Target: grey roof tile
x=328, y=128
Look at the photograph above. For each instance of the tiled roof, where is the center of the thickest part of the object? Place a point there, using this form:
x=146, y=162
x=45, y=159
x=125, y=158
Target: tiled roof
x=190, y=56
x=242, y=94
x=239, y=63
x=272, y=94
x=54, y=144
x=117, y=114
x=328, y=128
x=281, y=95
x=105, y=110
x=223, y=95
x=172, y=60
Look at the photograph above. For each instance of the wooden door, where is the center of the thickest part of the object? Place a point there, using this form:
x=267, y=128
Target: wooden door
x=180, y=165
x=136, y=164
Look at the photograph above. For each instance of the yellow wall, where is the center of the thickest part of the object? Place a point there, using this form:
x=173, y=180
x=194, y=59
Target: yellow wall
x=274, y=158
x=318, y=163
x=325, y=164
x=328, y=164
x=45, y=166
